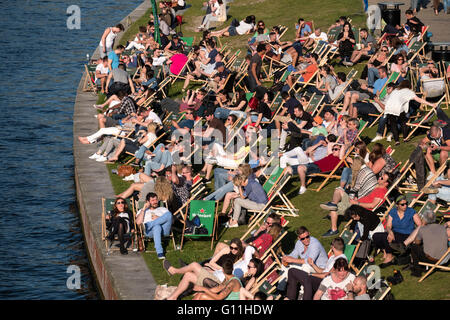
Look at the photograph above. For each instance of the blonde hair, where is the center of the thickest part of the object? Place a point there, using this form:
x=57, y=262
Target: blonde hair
x=163, y=188
x=152, y=127
x=238, y=180
x=356, y=166
x=245, y=169
x=275, y=231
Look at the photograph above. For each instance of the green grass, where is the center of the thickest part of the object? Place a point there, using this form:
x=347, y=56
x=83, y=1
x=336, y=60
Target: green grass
x=324, y=13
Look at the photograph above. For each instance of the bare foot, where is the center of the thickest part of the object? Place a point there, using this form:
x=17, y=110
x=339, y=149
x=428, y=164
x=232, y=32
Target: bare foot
x=83, y=140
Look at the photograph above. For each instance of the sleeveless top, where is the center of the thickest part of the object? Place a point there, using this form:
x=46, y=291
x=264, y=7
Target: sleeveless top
x=109, y=41
x=233, y=295
x=390, y=164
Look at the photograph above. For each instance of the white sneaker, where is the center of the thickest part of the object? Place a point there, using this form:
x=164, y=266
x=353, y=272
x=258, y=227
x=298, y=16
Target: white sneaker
x=94, y=156
x=389, y=137
x=101, y=159
x=129, y=178
x=302, y=190
x=377, y=137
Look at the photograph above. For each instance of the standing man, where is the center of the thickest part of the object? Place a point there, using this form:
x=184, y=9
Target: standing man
x=254, y=67
x=108, y=38
x=157, y=221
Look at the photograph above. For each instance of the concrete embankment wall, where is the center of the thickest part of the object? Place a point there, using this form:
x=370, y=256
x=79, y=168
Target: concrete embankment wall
x=118, y=277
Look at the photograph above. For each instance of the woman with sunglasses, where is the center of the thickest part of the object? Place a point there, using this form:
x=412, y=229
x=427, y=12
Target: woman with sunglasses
x=380, y=58
x=401, y=66
x=211, y=273
x=255, y=269
x=120, y=222
x=401, y=222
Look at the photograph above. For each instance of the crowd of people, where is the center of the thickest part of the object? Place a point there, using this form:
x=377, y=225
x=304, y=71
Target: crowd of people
x=224, y=124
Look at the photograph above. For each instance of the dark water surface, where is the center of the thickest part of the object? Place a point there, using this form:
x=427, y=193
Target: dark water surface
x=41, y=66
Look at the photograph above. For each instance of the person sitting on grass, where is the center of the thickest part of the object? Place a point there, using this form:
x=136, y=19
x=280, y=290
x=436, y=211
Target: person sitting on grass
x=341, y=201
x=245, y=26
x=229, y=289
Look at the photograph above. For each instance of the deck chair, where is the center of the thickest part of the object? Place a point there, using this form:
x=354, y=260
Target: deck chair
x=417, y=49
x=382, y=291
x=314, y=104
x=329, y=175
x=207, y=212
x=89, y=84
x=138, y=205
x=303, y=84
x=439, y=264
x=268, y=284
x=333, y=34
x=107, y=207
x=419, y=122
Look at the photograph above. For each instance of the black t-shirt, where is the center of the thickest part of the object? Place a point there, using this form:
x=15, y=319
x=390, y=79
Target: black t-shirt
x=256, y=59
x=306, y=117
x=265, y=110
x=415, y=26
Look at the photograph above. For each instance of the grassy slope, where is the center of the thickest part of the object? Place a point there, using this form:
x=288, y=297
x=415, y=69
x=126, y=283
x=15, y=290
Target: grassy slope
x=286, y=12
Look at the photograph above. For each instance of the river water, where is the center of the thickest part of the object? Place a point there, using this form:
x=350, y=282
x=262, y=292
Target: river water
x=41, y=66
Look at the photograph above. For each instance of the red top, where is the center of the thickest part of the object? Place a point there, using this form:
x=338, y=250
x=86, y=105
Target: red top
x=328, y=163
x=378, y=192
x=262, y=243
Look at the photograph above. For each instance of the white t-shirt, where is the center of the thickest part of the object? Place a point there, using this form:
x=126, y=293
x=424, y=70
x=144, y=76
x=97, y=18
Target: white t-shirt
x=331, y=260
x=323, y=36
x=149, y=213
x=154, y=117
x=244, y=27
x=103, y=70
x=150, y=138
x=109, y=41
x=398, y=101
x=335, y=291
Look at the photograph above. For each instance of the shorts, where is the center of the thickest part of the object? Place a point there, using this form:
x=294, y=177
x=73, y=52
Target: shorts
x=344, y=204
x=298, y=47
x=204, y=274
x=310, y=168
x=98, y=82
x=232, y=31
x=362, y=95
x=110, y=122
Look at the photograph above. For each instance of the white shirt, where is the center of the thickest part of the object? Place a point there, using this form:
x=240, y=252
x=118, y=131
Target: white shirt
x=335, y=291
x=398, y=101
x=244, y=27
x=154, y=117
x=149, y=213
x=159, y=61
x=103, y=70
x=323, y=36
x=109, y=41
x=150, y=138
x=331, y=260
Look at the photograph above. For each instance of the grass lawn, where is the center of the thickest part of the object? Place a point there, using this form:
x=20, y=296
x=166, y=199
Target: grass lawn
x=286, y=12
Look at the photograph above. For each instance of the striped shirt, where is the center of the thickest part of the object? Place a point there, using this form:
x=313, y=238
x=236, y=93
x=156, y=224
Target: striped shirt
x=366, y=181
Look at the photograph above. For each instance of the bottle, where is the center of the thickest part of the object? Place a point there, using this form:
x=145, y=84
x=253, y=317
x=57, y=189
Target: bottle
x=87, y=57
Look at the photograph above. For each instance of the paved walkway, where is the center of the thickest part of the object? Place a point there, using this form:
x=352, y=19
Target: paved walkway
x=119, y=277
x=439, y=25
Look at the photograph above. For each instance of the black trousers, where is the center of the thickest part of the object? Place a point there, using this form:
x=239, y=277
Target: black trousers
x=310, y=284
x=380, y=240
x=401, y=120
x=418, y=255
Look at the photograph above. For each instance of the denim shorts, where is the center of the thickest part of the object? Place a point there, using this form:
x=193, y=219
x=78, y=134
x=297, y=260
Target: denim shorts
x=232, y=31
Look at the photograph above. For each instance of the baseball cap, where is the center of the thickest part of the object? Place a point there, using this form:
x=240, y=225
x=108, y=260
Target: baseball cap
x=318, y=119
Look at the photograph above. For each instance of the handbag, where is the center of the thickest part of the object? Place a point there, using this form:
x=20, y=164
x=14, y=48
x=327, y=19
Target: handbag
x=125, y=170
x=364, y=249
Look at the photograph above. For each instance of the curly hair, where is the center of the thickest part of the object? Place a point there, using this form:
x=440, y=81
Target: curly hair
x=163, y=188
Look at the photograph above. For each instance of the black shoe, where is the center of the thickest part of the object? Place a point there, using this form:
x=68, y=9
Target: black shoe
x=123, y=250
x=407, y=267
x=416, y=272
x=398, y=246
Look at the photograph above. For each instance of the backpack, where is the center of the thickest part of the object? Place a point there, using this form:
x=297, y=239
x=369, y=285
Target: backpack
x=194, y=226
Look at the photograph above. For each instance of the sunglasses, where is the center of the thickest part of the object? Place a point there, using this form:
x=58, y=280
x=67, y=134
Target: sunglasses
x=304, y=238
x=120, y=202
x=403, y=204
x=234, y=248
x=251, y=267
x=384, y=51
x=336, y=149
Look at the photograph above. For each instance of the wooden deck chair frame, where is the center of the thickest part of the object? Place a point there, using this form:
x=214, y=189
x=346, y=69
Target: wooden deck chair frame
x=303, y=84
x=157, y=140
x=141, y=228
x=422, y=119
x=436, y=265
x=88, y=84
x=314, y=104
x=264, y=282
x=330, y=174
x=215, y=225
x=417, y=51
x=349, y=78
